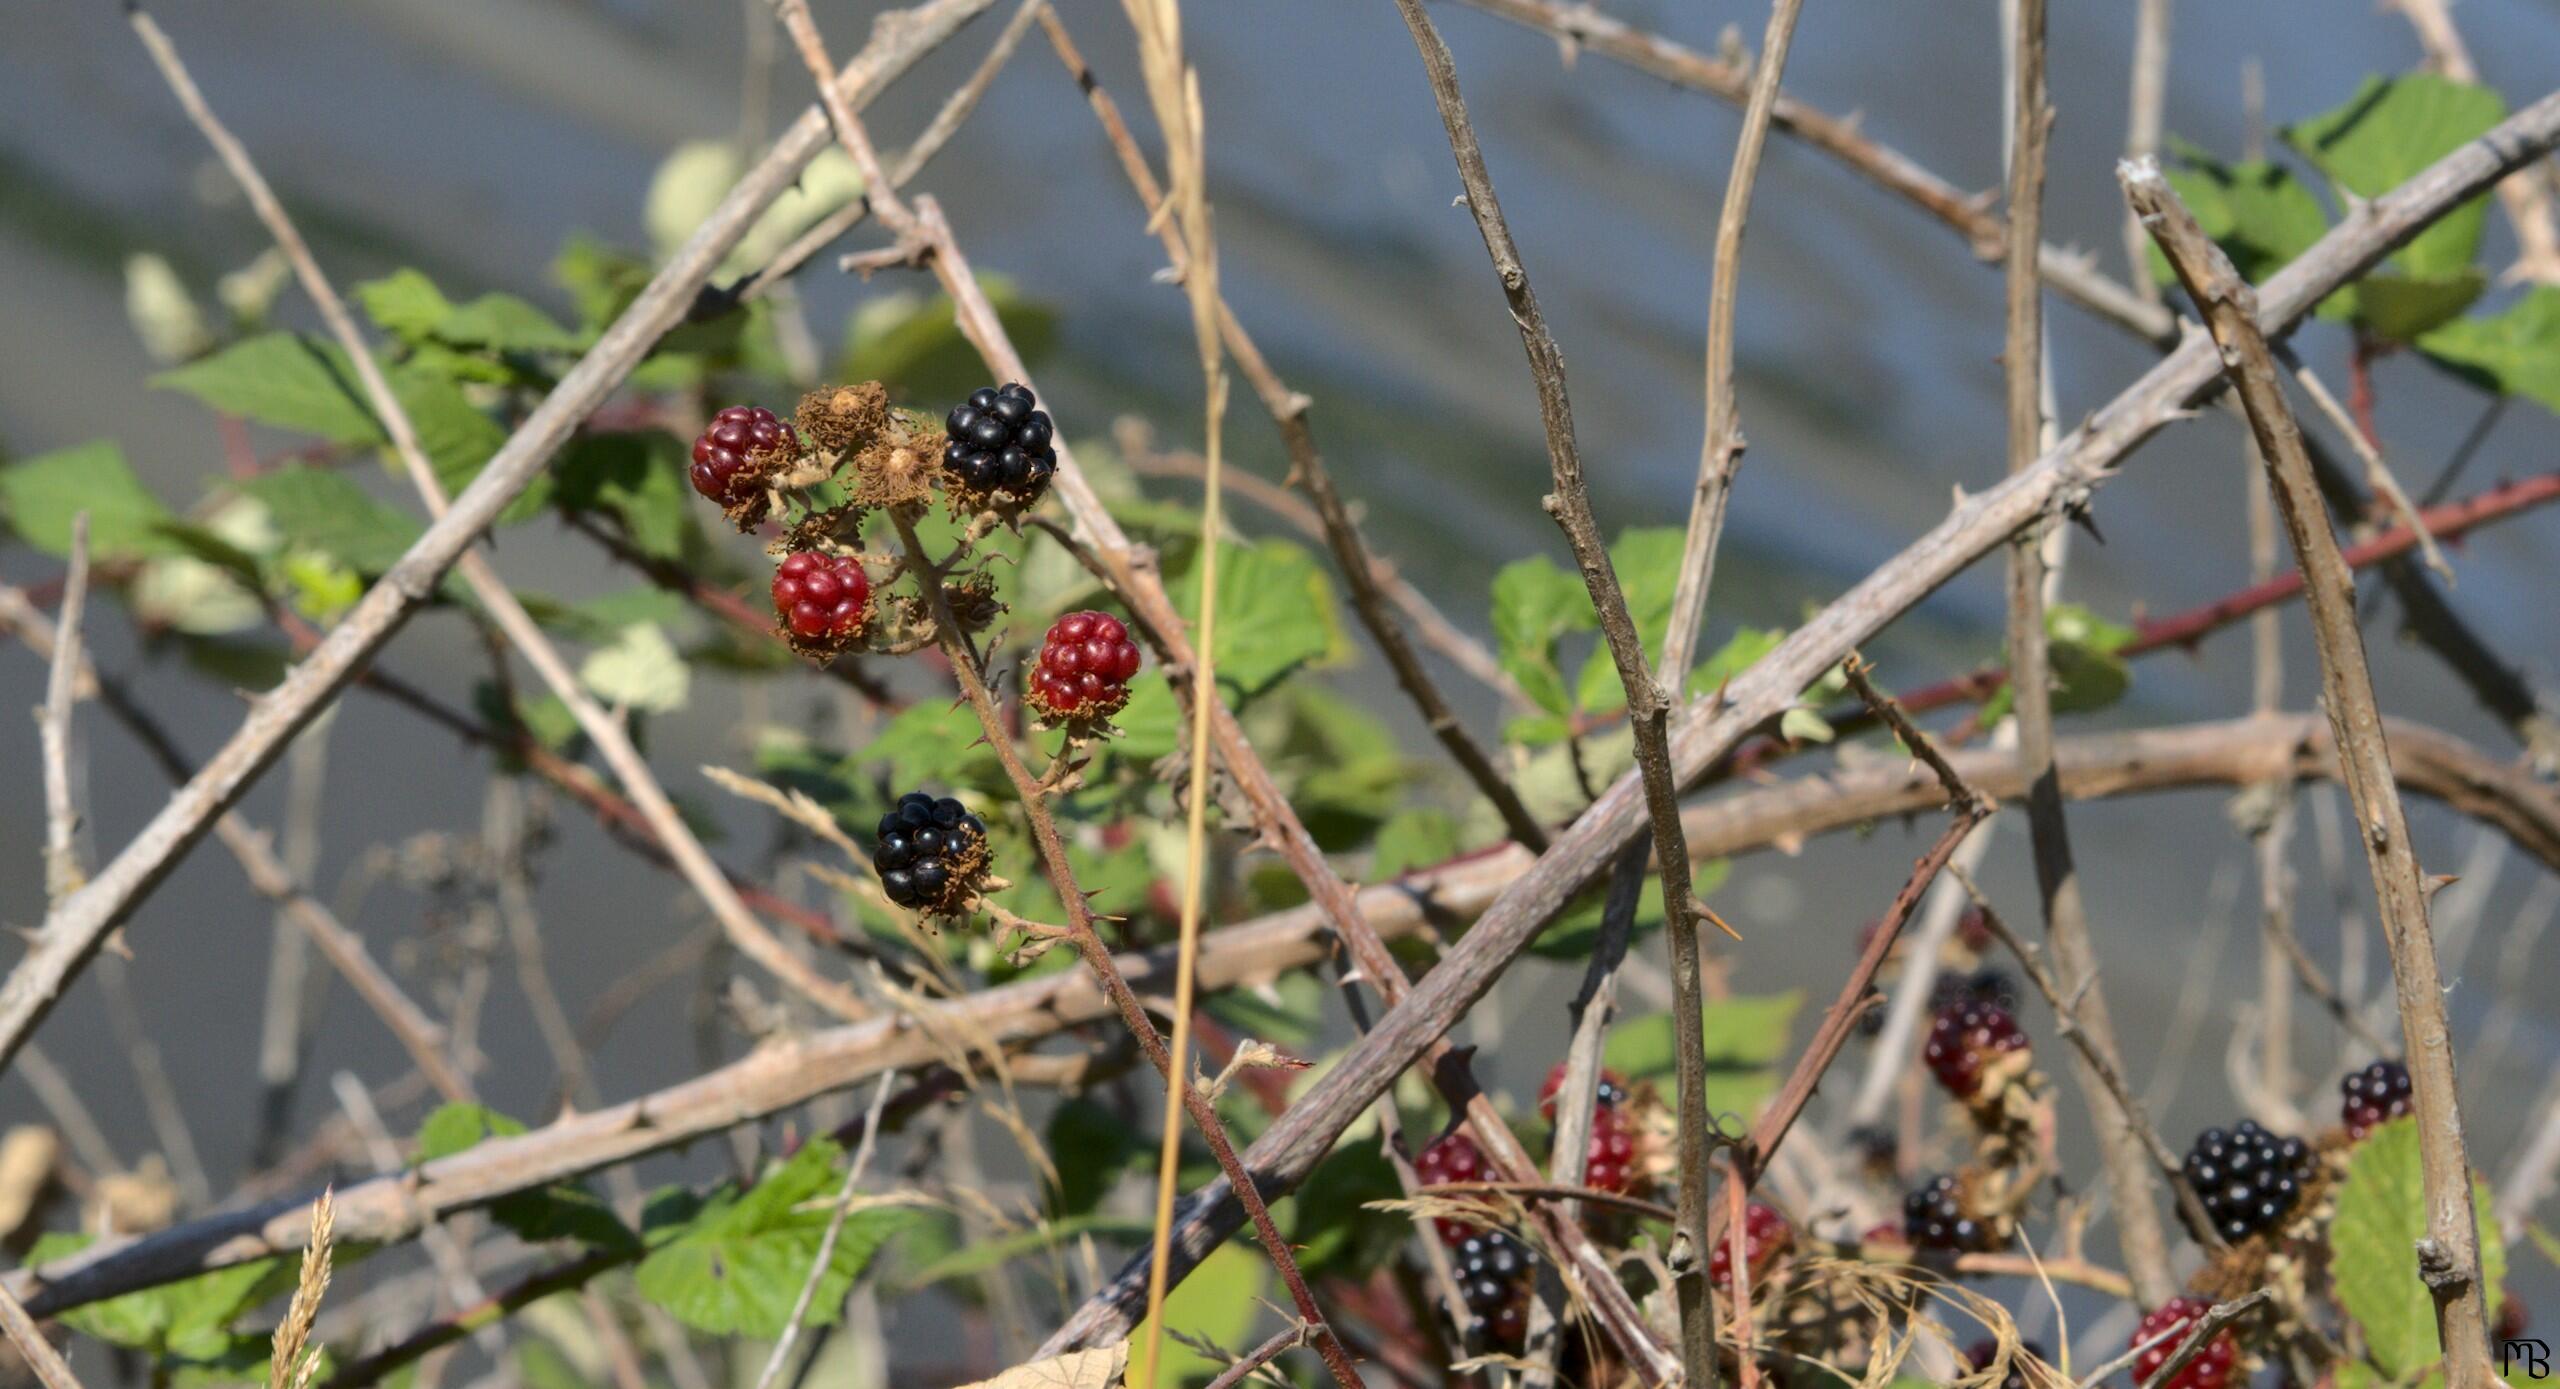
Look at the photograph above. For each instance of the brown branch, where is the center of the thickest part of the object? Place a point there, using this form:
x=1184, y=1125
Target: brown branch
x=2065, y=908
x=2449, y=1258
x=74, y=930
x=51, y=1370
x=1281, y=1342
x=1648, y=705
x=2074, y=468
x=2238, y=752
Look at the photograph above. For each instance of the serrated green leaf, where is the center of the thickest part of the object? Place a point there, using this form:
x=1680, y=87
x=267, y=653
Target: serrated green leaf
x=638, y=478
x=2257, y=211
x=404, y=303
x=640, y=670
x=1413, y=839
x=2390, y=130
x=2398, y=308
x=187, y=1313
x=457, y=1127
x=1534, y=605
x=1739, y=653
x=504, y=323
x=284, y=380
x=1647, y=561
x=2381, y=1217
x=734, y=1266
x=324, y=511
x=939, y=741
x=1275, y=613
x=1744, y=1036
x=41, y=494
x=2515, y=351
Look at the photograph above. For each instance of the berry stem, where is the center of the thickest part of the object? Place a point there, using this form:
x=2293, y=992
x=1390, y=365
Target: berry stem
x=1097, y=956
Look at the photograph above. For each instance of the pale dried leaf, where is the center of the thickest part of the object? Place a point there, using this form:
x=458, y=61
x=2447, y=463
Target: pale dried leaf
x=1083, y=1369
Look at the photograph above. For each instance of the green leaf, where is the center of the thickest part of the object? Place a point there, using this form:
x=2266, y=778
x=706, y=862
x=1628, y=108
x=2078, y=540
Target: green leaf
x=1332, y=1221
x=641, y=670
x=562, y=1210
x=43, y=493
x=1802, y=724
x=1740, y=652
x=2381, y=1217
x=2399, y=308
x=453, y=1128
x=325, y=511
x=2390, y=130
x=1534, y=605
x=504, y=323
x=1275, y=613
x=2515, y=351
x=988, y=1254
x=1219, y=1303
x=284, y=380
x=1647, y=561
x=938, y=741
x=1092, y=1146
x=636, y=478
x=1744, y=1036
x=2258, y=212
x=734, y=1265
x=911, y=344
x=188, y=1313
x=1414, y=839
x=405, y=303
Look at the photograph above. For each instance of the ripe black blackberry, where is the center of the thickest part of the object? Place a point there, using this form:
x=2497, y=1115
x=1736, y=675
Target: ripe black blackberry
x=932, y=855
x=2373, y=1096
x=1493, y=1274
x=1982, y=1353
x=1933, y=1217
x=1000, y=443
x=2248, y=1178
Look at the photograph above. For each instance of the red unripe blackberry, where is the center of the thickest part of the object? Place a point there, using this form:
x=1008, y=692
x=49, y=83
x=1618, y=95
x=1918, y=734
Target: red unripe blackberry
x=1452, y=1157
x=1973, y=930
x=1493, y=1275
x=1933, y=1217
x=1982, y=1353
x=2248, y=1179
x=734, y=438
x=1000, y=443
x=1083, y=668
x=1609, y=1164
x=2373, y=1096
x=1965, y=1037
x=1765, y=1235
x=823, y=599
x=1608, y=1094
x=932, y=854
x=2212, y=1366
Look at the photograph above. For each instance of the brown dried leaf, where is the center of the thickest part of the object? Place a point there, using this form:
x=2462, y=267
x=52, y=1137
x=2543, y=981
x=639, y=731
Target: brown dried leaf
x=1084, y=1369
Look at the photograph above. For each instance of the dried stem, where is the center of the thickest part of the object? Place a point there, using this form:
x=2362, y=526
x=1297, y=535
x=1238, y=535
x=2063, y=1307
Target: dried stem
x=2449, y=1258
x=2066, y=917
x=1648, y=706
x=51, y=1370
x=53, y=726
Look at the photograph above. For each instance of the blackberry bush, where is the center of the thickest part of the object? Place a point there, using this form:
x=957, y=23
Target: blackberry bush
x=1933, y=1217
x=2373, y=1096
x=824, y=600
x=1966, y=1037
x=2212, y=1366
x=2248, y=1179
x=932, y=855
x=1083, y=669
x=734, y=453
x=1493, y=1272
x=1765, y=1236
x=1000, y=445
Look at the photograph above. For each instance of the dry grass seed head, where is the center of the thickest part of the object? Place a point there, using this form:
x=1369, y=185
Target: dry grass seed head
x=295, y=1359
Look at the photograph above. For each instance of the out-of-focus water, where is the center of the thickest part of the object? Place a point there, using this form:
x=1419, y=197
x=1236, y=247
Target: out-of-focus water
x=470, y=137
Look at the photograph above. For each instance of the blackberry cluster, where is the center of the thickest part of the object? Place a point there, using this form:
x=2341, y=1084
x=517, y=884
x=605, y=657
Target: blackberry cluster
x=1083, y=668
x=932, y=853
x=1452, y=1157
x=1493, y=1274
x=1933, y=1217
x=2212, y=1367
x=1982, y=1353
x=1957, y=988
x=733, y=450
x=1963, y=1038
x=823, y=599
x=2248, y=1179
x=1765, y=1235
x=2373, y=1096
x=1000, y=443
